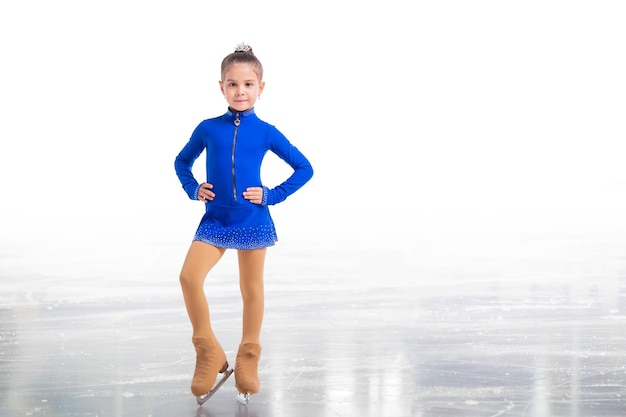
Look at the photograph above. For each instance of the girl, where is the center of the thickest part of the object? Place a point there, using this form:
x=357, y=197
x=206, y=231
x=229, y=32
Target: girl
x=236, y=217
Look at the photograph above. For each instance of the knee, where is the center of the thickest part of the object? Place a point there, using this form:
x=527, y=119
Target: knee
x=187, y=280
x=252, y=292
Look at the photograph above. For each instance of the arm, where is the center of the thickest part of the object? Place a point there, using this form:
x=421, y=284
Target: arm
x=184, y=162
x=302, y=169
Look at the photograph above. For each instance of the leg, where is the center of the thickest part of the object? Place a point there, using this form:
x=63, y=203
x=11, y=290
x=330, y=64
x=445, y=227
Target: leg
x=201, y=257
x=210, y=357
x=251, y=265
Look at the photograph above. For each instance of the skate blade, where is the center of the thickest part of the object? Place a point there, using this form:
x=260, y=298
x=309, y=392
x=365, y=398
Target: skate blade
x=243, y=397
x=204, y=398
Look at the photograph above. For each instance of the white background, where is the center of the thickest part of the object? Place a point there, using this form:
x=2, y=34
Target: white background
x=454, y=119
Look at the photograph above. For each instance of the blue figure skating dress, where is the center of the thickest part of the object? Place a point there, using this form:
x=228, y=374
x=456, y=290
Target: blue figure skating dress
x=235, y=145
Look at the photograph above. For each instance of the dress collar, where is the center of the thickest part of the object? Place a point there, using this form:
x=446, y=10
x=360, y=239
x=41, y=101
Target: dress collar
x=246, y=113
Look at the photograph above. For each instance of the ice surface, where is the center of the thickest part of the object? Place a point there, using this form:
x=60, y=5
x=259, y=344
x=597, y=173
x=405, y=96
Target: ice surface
x=530, y=326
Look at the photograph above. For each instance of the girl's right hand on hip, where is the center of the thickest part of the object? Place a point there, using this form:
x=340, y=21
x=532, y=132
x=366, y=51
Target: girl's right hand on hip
x=205, y=194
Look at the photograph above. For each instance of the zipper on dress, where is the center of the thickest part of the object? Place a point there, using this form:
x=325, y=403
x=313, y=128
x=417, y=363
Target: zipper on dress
x=232, y=157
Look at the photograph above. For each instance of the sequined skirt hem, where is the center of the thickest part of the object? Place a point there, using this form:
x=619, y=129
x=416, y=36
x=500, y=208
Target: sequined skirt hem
x=237, y=238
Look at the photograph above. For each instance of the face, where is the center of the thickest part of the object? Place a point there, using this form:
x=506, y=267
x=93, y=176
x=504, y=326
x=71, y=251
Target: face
x=241, y=87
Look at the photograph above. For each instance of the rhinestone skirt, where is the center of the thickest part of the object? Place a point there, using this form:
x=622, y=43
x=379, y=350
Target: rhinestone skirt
x=237, y=227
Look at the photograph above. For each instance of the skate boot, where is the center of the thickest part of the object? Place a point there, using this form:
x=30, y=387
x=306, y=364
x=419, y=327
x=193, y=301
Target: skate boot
x=210, y=360
x=246, y=371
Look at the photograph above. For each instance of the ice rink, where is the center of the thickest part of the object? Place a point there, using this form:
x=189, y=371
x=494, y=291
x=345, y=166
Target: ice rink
x=500, y=324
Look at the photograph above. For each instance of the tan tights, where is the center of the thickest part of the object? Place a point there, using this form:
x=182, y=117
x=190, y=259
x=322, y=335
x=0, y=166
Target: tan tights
x=201, y=258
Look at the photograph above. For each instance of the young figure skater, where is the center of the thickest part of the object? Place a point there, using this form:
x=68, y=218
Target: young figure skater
x=236, y=217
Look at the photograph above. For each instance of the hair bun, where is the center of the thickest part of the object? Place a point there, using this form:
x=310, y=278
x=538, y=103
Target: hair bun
x=243, y=47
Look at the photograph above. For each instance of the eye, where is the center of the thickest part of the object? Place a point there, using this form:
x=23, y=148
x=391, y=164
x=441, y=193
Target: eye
x=249, y=84
x=232, y=85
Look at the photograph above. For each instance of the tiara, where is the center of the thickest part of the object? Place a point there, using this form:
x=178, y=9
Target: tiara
x=242, y=47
